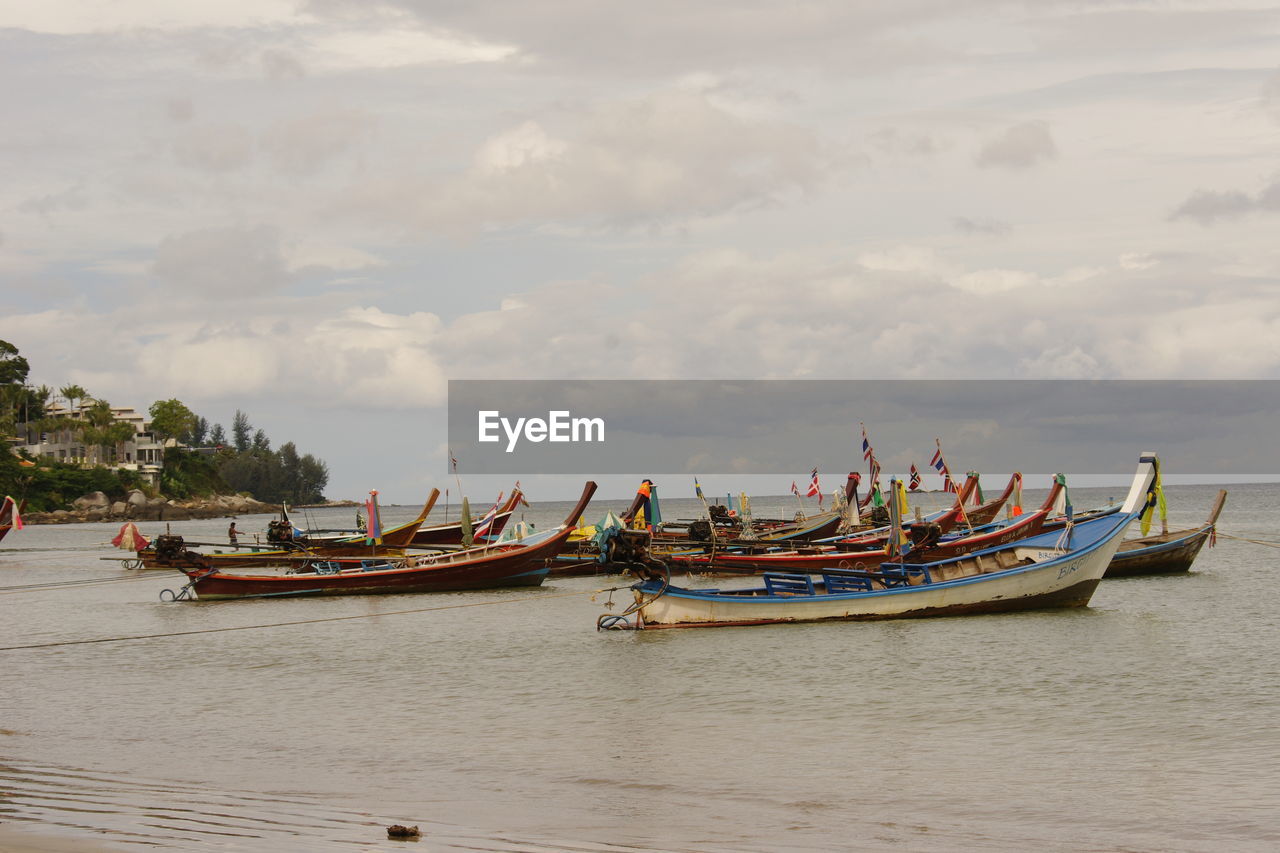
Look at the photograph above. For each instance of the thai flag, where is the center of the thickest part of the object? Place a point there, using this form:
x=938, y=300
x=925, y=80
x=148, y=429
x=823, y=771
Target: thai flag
x=485, y=523
x=915, y=478
x=814, y=488
x=949, y=485
x=866, y=447
x=938, y=463
x=795, y=491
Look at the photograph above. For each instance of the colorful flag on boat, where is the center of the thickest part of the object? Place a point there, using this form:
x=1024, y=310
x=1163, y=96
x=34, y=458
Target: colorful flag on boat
x=794, y=489
x=940, y=465
x=15, y=517
x=814, y=488
x=373, y=535
x=1145, y=518
x=915, y=478
x=697, y=487
x=130, y=538
x=482, y=529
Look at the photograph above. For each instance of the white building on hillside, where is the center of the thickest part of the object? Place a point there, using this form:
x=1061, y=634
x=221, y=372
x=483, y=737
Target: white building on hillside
x=143, y=453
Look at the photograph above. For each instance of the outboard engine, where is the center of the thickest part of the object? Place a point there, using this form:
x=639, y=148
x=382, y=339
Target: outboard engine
x=169, y=547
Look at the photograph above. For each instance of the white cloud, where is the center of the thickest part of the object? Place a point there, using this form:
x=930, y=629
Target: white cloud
x=400, y=46
x=70, y=17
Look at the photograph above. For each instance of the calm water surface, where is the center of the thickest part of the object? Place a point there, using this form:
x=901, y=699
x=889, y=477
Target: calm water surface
x=1144, y=722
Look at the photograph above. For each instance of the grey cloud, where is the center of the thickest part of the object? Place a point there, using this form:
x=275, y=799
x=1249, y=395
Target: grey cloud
x=304, y=145
x=214, y=148
x=282, y=65
x=179, y=110
x=966, y=225
x=1271, y=96
x=1019, y=147
x=667, y=37
x=72, y=198
x=217, y=262
x=1210, y=206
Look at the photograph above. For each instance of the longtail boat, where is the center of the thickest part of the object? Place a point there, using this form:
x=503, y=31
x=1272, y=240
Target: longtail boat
x=450, y=533
x=171, y=552
x=1058, y=569
x=9, y=512
x=512, y=563
x=1167, y=552
x=987, y=512
x=876, y=550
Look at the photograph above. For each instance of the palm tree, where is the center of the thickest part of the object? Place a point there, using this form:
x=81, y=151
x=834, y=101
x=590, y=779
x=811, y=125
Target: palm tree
x=73, y=393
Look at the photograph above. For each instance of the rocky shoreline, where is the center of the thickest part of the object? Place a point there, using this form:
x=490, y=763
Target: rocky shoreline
x=136, y=506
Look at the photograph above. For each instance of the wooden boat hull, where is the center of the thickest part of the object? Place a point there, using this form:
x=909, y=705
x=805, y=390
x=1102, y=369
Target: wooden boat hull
x=266, y=559
x=1054, y=582
x=451, y=534
x=1166, y=553
x=1159, y=555
x=1049, y=570
x=1023, y=527
x=388, y=582
x=512, y=564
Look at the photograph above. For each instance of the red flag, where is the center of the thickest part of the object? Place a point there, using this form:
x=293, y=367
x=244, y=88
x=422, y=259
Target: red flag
x=814, y=488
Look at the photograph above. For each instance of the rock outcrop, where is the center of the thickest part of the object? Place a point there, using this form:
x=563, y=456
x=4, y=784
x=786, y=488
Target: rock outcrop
x=136, y=506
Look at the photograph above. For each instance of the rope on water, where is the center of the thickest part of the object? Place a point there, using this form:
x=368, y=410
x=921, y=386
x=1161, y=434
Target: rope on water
x=55, y=585
x=299, y=621
x=1250, y=541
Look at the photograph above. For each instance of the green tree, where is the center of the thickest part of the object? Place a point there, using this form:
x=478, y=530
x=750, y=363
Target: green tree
x=13, y=373
x=241, y=431
x=171, y=419
x=313, y=476
x=217, y=436
x=13, y=367
x=260, y=441
x=73, y=393
x=199, y=432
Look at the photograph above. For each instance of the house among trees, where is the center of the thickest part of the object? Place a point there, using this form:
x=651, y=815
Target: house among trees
x=115, y=437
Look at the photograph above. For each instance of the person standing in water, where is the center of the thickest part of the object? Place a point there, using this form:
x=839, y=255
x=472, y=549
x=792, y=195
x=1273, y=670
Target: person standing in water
x=232, y=533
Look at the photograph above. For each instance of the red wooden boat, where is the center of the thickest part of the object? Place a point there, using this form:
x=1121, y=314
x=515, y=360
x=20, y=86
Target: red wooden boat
x=987, y=512
x=874, y=553
x=521, y=563
x=451, y=532
x=171, y=552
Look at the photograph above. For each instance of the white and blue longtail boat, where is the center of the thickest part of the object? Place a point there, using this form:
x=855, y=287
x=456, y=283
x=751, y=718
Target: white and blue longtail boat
x=1056, y=569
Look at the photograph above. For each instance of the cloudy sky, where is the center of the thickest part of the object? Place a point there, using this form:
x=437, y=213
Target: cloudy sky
x=319, y=212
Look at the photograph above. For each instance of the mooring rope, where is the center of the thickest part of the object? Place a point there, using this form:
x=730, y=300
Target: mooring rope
x=54, y=585
x=301, y=621
x=1250, y=541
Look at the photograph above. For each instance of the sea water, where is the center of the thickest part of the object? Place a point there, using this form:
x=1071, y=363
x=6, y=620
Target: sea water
x=1146, y=721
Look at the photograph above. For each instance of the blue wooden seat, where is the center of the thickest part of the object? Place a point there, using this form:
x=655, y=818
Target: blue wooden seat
x=900, y=574
x=788, y=584
x=846, y=583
